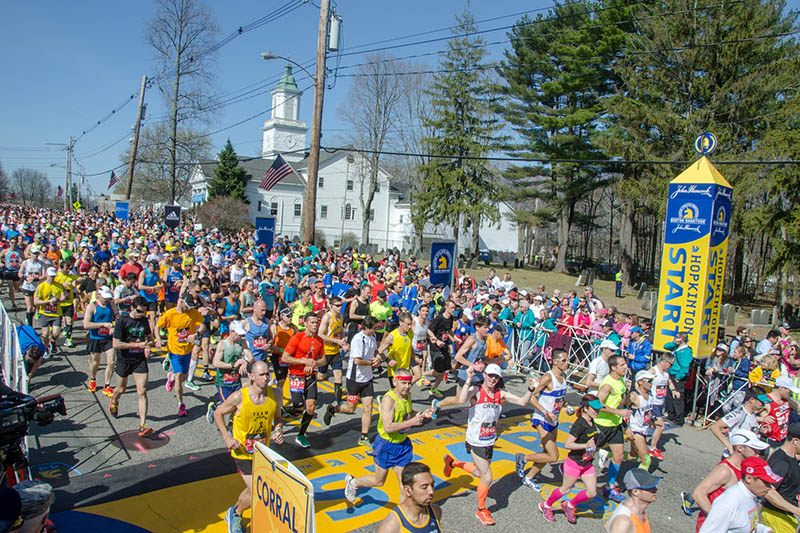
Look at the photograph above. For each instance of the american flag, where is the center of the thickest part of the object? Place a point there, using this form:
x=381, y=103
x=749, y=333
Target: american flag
x=59, y=191
x=279, y=170
x=114, y=180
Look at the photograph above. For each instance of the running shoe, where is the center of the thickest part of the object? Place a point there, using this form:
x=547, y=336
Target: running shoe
x=165, y=365
x=206, y=376
x=435, y=392
x=485, y=517
x=273, y=382
x=602, y=458
x=113, y=408
x=423, y=383
x=144, y=431
x=519, y=460
x=364, y=441
x=654, y=452
x=92, y=385
x=234, y=521
x=108, y=391
x=435, y=407
x=349, y=489
x=448, y=465
x=170, y=381
x=189, y=384
x=547, y=511
x=212, y=339
x=328, y=414
x=569, y=512
x=302, y=441
x=182, y=409
x=687, y=503
x=68, y=342
x=531, y=484
x=210, y=412
x=611, y=493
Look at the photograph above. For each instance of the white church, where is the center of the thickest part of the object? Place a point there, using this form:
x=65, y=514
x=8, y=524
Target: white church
x=341, y=176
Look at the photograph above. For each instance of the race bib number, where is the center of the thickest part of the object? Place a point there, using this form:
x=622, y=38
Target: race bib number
x=647, y=417
x=588, y=454
x=661, y=391
x=151, y=291
x=250, y=442
x=420, y=346
x=103, y=331
x=182, y=335
x=49, y=308
x=259, y=343
x=229, y=378
x=297, y=384
x=488, y=431
x=270, y=291
x=558, y=405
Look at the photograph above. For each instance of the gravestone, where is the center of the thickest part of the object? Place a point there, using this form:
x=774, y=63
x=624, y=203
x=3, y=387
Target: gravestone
x=579, y=281
x=642, y=289
x=473, y=263
x=776, y=317
x=646, y=300
x=731, y=316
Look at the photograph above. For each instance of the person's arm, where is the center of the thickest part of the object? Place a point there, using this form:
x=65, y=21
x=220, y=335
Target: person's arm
x=162, y=323
x=778, y=501
x=546, y=379
x=353, y=314
x=717, y=427
x=464, y=350
x=218, y=354
x=390, y=524
x=570, y=443
x=118, y=344
x=288, y=353
x=228, y=407
x=39, y=301
x=523, y=400
x=387, y=415
x=602, y=394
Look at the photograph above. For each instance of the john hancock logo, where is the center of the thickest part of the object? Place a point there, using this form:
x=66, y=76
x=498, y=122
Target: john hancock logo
x=720, y=224
x=688, y=219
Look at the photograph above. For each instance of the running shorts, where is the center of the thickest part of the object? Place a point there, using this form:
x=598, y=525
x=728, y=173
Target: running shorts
x=131, y=365
x=100, y=345
x=390, y=454
x=484, y=452
x=356, y=390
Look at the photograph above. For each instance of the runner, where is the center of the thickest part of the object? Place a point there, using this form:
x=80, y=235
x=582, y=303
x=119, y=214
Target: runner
x=392, y=448
x=639, y=425
x=255, y=413
x=12, y=260
x=132, y=340
x=485, y=404
x=181, y=324
x=48, y=296
x=173, y=280
x=416, y=506
x=304, y=353
x=631, y=515
x=598, y=367
x=398, y=347
x=581, y=443
x=745, y=417
x=257, y=332
x=440, y=343
x=31, y=271
x=125, y=293
x=98, y=320
x=778, y=510
x=360, y=378
x=230, y=360
x=612, y=394
x=149, y=285
x=331, y=331
x=547, y=400
x=658, y=401
x=779, y=410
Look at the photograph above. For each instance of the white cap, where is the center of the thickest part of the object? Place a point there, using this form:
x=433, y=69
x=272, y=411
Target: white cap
x=787, y=383
x=607, y=343
x=523, y=292
x=741, y=436
x=237, y=328
x=644, y=374
x=35, y=249
x=51, y=271
x=468, y=313
x=494, y=370
x=105, y=292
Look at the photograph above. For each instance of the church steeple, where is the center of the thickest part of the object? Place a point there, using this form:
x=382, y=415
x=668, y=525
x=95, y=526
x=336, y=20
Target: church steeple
x=284, y=131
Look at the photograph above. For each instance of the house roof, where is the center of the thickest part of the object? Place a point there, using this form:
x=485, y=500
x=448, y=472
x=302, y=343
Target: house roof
x=256, y=168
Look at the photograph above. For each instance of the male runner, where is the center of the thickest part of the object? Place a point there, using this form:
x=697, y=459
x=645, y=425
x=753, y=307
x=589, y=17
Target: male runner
x=181, y=324
x=416, y=505
x=658, y=400
x=360, y=378
x=304, y=354
x=398, y=347
x=548, y=400
x=440, y=341
x=67, y=281
x=612, y=394
x=48, y=296
x=631, y=516
x=230, y=360
x=331, y=331
x=257, y=332
x=124, y=294
x=392, y=447
x=98, y=320
x=641, y=418
x=779, y=510
x=132, y=336
x=281, y=333
x=254, y=414
x=779, y=410
x=744, y=416
x=485, y=404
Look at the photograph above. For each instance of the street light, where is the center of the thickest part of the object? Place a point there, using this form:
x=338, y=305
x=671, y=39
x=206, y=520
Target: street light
x=267, y=56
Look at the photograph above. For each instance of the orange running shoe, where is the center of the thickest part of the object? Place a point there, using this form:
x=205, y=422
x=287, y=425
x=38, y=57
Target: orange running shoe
x=92, y=385
x=485, y=516
x=448, y=465
x=145, y=431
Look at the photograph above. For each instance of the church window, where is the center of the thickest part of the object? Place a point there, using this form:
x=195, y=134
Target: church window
x=297, y=209
x=349, y=185
x=273, y=209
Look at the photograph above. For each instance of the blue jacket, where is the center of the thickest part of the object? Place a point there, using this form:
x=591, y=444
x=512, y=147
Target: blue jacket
x=642, y=352
x=683, y=359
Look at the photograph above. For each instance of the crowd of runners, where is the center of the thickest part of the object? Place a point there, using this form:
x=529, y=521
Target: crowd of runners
x=266, y=326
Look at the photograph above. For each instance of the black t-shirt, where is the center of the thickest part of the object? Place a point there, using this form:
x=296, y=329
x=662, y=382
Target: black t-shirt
x=789, y=469
x=583, y=432
x=127, y=329
x=442, y=327
x=88, y=285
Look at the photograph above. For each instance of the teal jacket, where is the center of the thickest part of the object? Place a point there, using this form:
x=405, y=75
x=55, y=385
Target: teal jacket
x=683, y=358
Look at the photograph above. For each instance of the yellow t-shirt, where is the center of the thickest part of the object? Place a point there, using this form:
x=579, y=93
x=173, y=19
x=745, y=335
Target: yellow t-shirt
x=179, y=326
x=187, y=259
x=300, y=310
x=335, y=332
x=59, y=280
x=46, y=291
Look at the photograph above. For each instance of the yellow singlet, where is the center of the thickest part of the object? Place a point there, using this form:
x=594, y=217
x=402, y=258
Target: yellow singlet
x=252, y=423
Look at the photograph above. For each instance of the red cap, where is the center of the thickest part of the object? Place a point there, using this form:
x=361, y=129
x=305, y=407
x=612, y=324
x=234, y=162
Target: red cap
x=758, y=467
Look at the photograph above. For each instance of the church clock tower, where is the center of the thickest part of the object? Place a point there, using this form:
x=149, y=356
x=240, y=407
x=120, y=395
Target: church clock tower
x=284, y=131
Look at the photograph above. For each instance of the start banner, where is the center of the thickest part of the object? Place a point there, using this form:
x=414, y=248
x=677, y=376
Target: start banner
x=442, y=256
x=283, y=498
x=693, y=259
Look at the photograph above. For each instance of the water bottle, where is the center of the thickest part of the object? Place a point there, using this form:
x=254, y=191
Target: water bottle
x=570, y=410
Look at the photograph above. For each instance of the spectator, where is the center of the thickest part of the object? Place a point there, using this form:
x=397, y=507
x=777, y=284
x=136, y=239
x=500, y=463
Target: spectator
x=766, y=345
x=37, y=497
x=678, y=373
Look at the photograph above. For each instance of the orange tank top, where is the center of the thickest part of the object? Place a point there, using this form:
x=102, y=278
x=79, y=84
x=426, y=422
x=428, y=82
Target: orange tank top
x=638, y=525
x=282, y=337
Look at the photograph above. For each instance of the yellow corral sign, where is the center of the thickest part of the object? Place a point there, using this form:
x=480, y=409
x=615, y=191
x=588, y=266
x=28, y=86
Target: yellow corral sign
x=283, y=498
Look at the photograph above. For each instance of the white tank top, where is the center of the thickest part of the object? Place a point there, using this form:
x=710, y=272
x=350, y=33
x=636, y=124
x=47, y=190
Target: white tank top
x=643, y=415
x=32, y=274
x=482, y=419
x=237, y=274
x=552, y=401
x=420, y=335
x=658, y=392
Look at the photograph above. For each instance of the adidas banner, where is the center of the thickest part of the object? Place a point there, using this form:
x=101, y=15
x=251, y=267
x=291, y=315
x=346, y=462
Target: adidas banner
x=172, y=216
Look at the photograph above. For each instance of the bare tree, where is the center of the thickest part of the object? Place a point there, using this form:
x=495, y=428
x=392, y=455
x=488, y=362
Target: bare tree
x=3, y=183
x=181, y=33
x=32, y=187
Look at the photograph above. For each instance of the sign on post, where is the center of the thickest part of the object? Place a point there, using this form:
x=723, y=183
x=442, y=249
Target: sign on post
x=122, y=211
x=442, y=256
x=172, y=216
x=265, y=231
x=693, y=260
x=282, y=498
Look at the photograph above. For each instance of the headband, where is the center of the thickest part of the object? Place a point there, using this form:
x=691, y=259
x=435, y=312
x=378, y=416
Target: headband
x=403, y=377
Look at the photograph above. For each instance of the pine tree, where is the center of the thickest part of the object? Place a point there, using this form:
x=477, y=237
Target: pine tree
x=229, y=178
x=457, y=188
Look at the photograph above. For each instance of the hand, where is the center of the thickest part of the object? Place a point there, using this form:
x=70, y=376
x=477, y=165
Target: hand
x=158, y=343
x=470, y=373
x=591, y=443
x=439, y=343
x=532, y=382
x=392, y=363
x=769, y=420
x=625, y=413
x=427, y=413
x=108, y=325
x=676, y=394
x=551, y=417
x=308, y=370
x=232, y=444
x=277, y=435
x=418, y=419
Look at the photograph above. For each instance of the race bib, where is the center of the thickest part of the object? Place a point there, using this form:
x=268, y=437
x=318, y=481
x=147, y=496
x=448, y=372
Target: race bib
x=49, y=308
x=488, y=431
x=103, y=332
x=558, y=405
x=182, y=335
x=661, y=391
x=259, y=343
x=229, y=378
x=588, y=454
x=250, y=442
x=647, y=417
x=420, y=346
x=151, y=291
x=297, y=384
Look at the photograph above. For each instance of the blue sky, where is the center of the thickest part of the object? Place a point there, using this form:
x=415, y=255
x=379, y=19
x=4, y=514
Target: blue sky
x=66, y=65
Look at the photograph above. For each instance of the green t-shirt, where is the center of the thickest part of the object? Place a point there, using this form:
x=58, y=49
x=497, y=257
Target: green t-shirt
x=613, y=400
x=230, y=354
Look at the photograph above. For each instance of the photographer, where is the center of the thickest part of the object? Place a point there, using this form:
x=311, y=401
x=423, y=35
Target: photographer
x=32, y=348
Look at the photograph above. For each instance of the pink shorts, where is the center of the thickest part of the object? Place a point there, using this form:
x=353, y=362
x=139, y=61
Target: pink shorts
x=574, y=470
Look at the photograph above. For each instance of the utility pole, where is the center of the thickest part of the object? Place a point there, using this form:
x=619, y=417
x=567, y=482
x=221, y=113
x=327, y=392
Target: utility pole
x=68, y=178
x=135, y=145
x=316, y=125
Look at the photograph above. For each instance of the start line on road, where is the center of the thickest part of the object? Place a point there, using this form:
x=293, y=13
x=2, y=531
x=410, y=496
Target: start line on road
x=200, y=506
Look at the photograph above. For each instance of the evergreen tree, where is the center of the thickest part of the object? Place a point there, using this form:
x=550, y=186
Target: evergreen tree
x=458, y=188
x=229, y=178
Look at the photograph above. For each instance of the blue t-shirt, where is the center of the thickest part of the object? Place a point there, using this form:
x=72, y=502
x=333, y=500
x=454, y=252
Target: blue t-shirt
x=394, y=300
x=102, y=256
x=28, y=337
x=267, y=289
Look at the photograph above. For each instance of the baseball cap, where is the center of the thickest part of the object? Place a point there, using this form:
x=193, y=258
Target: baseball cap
x=381, y=294
x=745, y=437
x=105, y=292
x=494, y=370
x=286, y=311
x=722, y=346
x=787, y=383
x=794, y=430
x=51, y=271
x=35, y=249
x=636, y=329
x=237, y=327
x=636, y=478
x=644, y=374
x=500, y=328
x=758, y=467
x=785, y=325
x=608, y=343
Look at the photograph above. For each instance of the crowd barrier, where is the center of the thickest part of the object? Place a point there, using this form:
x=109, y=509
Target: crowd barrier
x=13, y=370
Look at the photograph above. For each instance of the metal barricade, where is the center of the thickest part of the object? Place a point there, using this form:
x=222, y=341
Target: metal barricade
x=14, y=374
